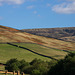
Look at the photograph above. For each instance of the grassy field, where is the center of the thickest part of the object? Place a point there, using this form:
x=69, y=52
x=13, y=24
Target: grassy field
x=7, y=52
x=2, y=67
x=55, y=53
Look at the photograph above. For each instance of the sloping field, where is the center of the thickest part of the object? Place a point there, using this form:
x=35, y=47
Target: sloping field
x=7, y=52
x=54, y=53
x=8, y=34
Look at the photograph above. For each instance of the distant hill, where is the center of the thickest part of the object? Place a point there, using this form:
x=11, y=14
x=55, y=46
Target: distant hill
x=66, y=34
x=8, y=34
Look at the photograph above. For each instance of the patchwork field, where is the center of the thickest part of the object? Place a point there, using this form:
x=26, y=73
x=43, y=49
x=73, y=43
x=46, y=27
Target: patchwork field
x=42, y=45
x=55, y=53
x=7, y=52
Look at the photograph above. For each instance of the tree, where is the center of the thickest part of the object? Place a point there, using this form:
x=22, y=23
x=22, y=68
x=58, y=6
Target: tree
x=23, y=65
x=12, y=65
x=65, y=66
x=36, y=72
x=39, y=67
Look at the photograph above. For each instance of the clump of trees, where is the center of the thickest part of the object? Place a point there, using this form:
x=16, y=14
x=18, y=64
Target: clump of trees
x=15, y=65
x=65, y=66
x=35, y=67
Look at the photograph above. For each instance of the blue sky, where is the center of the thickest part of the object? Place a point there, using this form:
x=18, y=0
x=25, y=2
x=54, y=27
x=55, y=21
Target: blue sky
x=29, y=14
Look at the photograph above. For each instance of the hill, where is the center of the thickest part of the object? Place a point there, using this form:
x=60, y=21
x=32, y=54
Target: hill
x=8, y=34
x=66, y=34
x=29, y=46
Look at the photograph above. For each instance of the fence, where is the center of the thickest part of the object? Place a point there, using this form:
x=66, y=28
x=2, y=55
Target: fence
x=13, y=73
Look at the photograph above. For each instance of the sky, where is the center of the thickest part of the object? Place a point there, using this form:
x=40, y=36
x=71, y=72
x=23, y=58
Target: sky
x=30, y=14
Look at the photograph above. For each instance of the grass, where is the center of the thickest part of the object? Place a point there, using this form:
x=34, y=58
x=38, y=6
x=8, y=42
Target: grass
x=55, y=53
x=7, y=52
x=2, y=67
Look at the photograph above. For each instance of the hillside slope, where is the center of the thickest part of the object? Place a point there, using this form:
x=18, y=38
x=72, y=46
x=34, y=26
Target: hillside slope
x=8, y=52
x=8, y=34
x=67, y=34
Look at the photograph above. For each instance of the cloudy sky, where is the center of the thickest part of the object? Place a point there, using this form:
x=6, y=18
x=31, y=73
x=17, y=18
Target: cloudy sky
x=28, y=14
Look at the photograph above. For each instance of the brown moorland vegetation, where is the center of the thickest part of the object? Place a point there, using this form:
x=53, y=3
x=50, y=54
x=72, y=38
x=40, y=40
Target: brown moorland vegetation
x=66, y=33
x=8, y=34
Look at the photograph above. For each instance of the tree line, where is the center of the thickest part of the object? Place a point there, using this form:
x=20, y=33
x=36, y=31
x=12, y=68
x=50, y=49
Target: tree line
x=64, y=66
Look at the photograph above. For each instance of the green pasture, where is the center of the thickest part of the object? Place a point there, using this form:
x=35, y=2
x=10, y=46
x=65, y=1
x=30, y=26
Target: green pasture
x=55, y=53
x=2, y=67
x=7, y=52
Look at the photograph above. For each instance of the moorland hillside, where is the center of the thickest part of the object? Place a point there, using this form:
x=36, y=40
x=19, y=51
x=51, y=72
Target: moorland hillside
x=66, y=34
x=8, y=34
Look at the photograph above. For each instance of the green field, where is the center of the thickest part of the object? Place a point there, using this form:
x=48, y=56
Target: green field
x=7, y=52
x=55, y=53
x=2, y=67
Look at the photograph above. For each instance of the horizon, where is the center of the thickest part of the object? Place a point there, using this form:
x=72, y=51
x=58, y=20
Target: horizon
x=34, y=28
x=34, y=14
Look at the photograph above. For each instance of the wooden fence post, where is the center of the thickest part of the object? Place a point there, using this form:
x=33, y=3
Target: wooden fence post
x=6, y=72
x=18, y=73
x=13, y=72
x=22, y=73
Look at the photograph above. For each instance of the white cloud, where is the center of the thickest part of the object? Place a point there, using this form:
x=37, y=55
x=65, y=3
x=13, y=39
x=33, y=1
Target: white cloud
x=31, y=0
x=16, y=2
x=0, y=4
x=12, y=1
x=30, y=7
x=66, y=7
